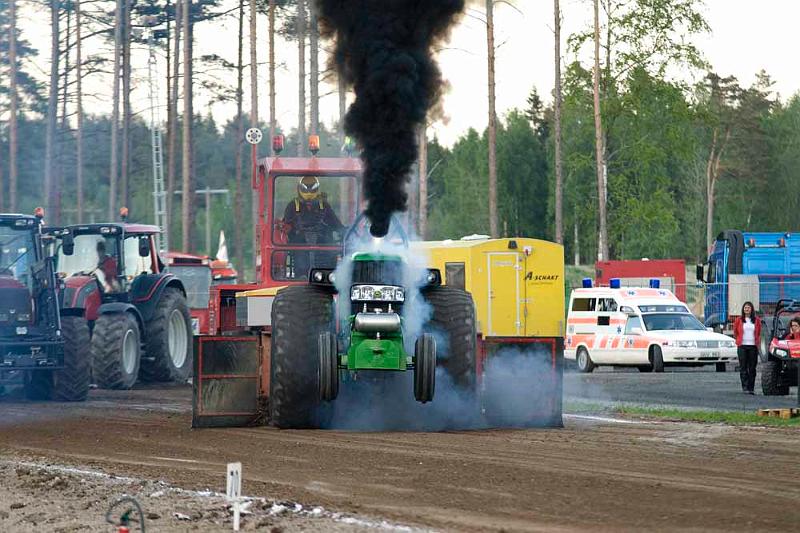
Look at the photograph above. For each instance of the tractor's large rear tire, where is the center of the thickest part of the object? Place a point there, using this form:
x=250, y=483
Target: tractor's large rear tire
x=168, y=343
x=116, y=351
x=71, y=383
x=453, y=320
x=773, y=382
x=299, y=315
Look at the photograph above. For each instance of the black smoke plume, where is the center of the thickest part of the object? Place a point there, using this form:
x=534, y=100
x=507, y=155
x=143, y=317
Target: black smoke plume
x=384, y=50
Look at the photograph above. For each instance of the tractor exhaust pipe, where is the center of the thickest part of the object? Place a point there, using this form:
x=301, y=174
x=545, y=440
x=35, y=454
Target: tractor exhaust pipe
x=377, y=323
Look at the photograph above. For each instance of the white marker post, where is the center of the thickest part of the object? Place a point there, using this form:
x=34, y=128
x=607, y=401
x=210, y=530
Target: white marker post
x=234, y=490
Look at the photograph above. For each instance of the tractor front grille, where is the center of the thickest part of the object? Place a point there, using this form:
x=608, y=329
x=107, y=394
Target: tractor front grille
x=378, y=272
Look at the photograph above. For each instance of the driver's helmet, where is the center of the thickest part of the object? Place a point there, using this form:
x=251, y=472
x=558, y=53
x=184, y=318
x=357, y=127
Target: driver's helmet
x=308, y=188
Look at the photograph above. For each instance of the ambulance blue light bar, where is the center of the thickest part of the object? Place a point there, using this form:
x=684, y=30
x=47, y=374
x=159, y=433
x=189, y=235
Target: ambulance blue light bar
x=587, y=283
x=655, y=283
x=615, y=283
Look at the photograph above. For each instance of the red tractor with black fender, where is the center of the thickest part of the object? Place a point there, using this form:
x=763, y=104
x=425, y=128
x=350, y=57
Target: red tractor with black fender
x=37, y=342
x=138, y=314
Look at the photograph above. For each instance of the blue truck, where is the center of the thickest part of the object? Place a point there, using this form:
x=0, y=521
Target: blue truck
x=760, y=267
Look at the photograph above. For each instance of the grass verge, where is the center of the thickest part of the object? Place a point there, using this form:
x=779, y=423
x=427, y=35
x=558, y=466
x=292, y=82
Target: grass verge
x=734, y=418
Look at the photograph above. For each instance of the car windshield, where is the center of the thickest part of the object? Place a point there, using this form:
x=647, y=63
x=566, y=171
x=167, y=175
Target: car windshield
x=16, y=254
x=88, y=254
x=671, y=321
x=197, y=281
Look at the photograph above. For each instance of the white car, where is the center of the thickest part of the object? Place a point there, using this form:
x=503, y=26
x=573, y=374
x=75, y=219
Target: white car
x=647, y=328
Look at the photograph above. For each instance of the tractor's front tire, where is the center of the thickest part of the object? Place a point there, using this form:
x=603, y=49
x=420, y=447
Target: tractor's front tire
x=116, y=351
x=71, y=383
x=425, y=368
x=168, y=346
x=773, y=383
x=299, y=315
x=453, y=317
x=328, y=367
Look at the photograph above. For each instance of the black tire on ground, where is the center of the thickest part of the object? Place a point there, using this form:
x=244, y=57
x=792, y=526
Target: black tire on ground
x=299, y=315
x=645, y=368
x=39, y=385
x=657, y=359
x=328, y=367
x=773, y=383
x=71, y=383
x=584, y=361
x=721, y=367
x=453, y=317
x=116, y=351
x=425, y=368
x=168, y=340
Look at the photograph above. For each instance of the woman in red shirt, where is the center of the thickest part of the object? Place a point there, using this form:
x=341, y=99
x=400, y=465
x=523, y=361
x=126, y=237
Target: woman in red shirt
x=747, y=330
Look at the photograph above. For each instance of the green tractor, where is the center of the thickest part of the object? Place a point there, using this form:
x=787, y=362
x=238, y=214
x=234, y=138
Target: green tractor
x=373, y=316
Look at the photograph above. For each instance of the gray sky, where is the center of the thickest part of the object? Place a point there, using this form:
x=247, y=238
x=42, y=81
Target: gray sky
x=746, y=37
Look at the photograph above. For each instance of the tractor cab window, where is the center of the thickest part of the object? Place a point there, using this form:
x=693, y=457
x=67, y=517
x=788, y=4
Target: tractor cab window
x=309, y=213
x=17, y=255
x=313, y=210
x=94, y=255
x=134, y=263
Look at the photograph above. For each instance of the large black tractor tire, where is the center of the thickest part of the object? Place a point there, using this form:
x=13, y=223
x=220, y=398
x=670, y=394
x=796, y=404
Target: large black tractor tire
x=453, y=317
x=116, y=351
x=425, y=368
x=657, y=359
x=773, y=382
x=584, y=361
x=299, y=315
x=168, y=340
x=39, y=385
x=71, y=383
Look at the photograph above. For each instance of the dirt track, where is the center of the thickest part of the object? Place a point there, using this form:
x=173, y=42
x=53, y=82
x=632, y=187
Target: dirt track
x=590, y=475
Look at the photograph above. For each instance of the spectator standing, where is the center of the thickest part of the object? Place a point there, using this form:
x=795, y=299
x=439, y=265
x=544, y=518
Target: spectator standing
x=747, y=330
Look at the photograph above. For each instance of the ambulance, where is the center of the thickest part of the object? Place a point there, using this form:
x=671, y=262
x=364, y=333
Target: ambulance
x=643, y=327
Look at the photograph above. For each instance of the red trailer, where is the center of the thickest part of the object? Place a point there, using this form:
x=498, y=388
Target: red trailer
x=638, y=273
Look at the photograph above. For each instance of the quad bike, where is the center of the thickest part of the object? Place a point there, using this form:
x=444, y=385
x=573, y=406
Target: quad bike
x=780, y=362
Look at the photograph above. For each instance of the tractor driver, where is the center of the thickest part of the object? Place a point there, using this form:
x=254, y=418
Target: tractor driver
x=108, y=266
x=309, y=217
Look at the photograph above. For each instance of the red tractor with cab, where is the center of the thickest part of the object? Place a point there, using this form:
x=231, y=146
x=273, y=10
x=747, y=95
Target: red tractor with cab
x=39, y=343
x=138, y=314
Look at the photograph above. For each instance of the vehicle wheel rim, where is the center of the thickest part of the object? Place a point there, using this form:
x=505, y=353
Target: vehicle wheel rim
x=177, y=338
x=129, y=350
x=582, y=359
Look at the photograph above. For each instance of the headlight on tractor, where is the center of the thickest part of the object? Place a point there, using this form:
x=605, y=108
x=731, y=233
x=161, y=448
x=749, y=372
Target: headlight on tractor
x=781, y=352
x=377, y=293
